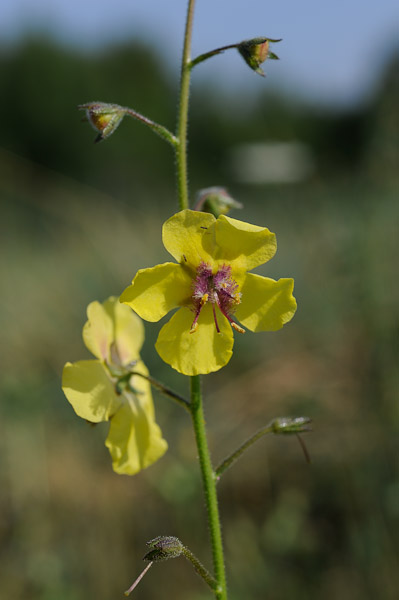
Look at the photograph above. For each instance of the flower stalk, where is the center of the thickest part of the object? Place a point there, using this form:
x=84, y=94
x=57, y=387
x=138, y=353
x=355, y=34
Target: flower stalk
x=196, y=406
x=165, y=390
x=284, y=426
x=181, y=134
x=200, y=569
x=105, y=118
x=162, y=131
x=209, y=485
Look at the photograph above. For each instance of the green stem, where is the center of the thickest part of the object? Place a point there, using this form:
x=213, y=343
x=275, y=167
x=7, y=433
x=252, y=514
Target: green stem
x=164, y=390
x=280, y=425
x=181, y=134
x=209, y=485
x=196, y=409
x=200, y=569
x=230, y=460
x=156, y=127
x=207, y=55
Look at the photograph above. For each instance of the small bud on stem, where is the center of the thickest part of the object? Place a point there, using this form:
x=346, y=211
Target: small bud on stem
x=105, y=118
x=254, y=52
x=215, y=200
x=164, y=547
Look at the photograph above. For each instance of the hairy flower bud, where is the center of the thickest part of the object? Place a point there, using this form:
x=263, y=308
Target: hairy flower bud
x=256, y=51
x=164, y=547
x=291, y=425
x=215, y=200
x=103, y=117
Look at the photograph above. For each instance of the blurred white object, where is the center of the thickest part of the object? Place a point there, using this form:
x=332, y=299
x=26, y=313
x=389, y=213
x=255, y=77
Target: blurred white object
x=271, y=162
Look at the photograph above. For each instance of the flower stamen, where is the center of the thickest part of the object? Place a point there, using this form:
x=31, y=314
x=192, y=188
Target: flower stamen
x=234, y=325
x=215, y=318
x=204, y=299
x=237, y=327
x=220, y=289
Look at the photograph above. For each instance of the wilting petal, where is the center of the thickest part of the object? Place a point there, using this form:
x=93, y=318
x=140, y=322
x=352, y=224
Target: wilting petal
x=134, y=440
x=88, y=388
x=128, y=330
x=241, y=245
x=156, y=291
x=98, y=331
x=266, y=305
x=183, y=237
x=201, y=352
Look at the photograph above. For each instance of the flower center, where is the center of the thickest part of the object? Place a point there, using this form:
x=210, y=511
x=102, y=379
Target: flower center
x=220, y=290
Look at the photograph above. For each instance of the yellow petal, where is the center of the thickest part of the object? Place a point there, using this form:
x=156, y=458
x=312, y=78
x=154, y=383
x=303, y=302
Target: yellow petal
x=98, y=331
x=201, y=352
x=135, y=440
x=156, y=291
x=128, y=330
x=266, y=305
x=88, y=388
x=241, y=245
x=183, y=236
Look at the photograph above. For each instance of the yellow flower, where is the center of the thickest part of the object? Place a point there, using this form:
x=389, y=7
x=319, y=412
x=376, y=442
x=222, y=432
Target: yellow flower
x=210, y=284
x=105, y=390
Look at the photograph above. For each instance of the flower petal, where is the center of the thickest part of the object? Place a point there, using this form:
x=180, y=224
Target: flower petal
x=183, y=234
x=241, y=245
x=128, y=330
x=88, y=388
x=266, y=304
x=135, y=440
x=154, y=292
x=98, y=331
x=201, y=352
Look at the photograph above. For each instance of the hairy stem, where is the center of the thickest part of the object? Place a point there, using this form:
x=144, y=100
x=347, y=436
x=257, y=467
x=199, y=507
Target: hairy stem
x=200, y=569
x=230, y=460
x=202, y=57
x=196, y=409
x=280, y=425
x=209, y=485
x=181, y=134
x=156, y=127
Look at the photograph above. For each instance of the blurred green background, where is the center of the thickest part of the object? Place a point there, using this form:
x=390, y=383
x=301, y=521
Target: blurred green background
x=78, y=220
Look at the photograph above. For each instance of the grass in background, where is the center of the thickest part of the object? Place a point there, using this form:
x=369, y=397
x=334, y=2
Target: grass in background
x=72, y=529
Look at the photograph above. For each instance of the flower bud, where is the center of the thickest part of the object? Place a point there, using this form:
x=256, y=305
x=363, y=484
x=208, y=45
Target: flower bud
x=163, y=548
x=289, y=425
x=256, y=51
x=215, y=200
x=103, y=117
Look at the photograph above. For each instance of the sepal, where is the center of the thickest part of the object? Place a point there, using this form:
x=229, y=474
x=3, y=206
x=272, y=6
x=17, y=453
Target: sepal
x=103, y=117
x=256, y=51
x=164, y=547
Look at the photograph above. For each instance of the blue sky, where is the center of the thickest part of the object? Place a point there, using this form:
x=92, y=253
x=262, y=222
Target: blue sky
x=332, y=50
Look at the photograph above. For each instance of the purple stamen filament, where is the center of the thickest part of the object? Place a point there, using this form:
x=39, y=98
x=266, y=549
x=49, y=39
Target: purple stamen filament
x=215, y=318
